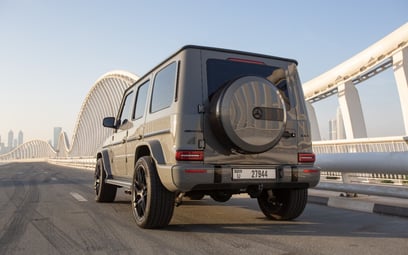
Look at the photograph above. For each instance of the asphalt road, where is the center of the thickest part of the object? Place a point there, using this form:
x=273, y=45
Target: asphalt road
x=47, y=209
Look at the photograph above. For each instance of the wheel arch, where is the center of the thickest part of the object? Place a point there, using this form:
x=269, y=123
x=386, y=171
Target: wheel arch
x=151, y=148
x=154, y=149
x=104, y=154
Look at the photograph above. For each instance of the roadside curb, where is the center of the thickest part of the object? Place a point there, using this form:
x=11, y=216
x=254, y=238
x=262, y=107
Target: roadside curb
x=359, y=205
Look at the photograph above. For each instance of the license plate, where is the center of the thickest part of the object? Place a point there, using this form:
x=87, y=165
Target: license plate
x=253, y=174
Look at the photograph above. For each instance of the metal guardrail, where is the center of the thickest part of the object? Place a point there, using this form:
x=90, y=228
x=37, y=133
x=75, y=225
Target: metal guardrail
x=81, y=162
x=380, y=144
x=371, y=166
x=391, y=163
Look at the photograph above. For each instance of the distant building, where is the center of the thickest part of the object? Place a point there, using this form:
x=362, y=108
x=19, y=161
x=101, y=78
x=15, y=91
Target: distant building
x=57, y=132
x=20, y=138
x=333, y=129
x=341, y=131
x=336, y=127
x=10, y=140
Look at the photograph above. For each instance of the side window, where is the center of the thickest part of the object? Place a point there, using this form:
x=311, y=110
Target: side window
x=141, y=99
x=127, y=108
x=163, y=88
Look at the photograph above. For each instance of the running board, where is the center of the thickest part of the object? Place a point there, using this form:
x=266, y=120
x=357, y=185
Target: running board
x=124, y=184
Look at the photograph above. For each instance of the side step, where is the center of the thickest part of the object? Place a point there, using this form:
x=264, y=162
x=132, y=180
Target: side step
x=119, y=183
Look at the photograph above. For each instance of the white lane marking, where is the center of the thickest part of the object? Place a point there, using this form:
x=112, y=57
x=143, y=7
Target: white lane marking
x=78, y=197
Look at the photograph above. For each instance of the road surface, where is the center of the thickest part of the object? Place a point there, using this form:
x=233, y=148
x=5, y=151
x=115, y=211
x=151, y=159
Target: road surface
x=48, y=209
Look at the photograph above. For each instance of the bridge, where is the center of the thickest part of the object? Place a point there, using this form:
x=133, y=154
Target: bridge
x=389, y=52
x=353, y=153
x=102, y=100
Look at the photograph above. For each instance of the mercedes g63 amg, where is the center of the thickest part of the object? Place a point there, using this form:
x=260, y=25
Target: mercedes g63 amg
x=210, y=121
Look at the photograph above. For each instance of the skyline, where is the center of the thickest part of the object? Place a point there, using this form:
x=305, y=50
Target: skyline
x=54, y=52
x=11, y=142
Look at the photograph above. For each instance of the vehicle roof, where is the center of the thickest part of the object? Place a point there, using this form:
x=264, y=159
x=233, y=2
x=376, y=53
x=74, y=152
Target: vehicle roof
x=211, y=49
x=234, y=52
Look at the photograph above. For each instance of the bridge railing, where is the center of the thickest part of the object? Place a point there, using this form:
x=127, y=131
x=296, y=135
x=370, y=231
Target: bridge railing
x=79, y=162
x=379, y=144
x=373, y=166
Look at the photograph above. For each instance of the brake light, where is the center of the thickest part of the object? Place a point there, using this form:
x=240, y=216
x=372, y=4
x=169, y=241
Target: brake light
x=189, y=155
x=310, y=171
x=306, y=157
x=246, y=61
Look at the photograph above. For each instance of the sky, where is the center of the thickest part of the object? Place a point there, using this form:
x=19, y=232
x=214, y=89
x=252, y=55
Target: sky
x=52, y=52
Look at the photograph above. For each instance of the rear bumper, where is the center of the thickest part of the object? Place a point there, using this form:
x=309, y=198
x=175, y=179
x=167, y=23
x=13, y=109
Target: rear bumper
x=209, y=177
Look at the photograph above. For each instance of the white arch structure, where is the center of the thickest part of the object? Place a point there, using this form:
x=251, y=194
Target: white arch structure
x=391, y=51
x=102, y=100
x=35, y=149
x=357, y=153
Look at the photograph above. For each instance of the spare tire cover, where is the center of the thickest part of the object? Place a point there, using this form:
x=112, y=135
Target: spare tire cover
x=248, y=114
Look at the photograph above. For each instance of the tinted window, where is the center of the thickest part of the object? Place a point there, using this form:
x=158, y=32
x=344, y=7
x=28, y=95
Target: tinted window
x=126, y=113
x=163, y=88
x=220, y=72
x=141, y=100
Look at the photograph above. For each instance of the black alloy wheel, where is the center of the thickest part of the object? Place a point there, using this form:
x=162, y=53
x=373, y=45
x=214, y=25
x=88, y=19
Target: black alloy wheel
x=152, y=203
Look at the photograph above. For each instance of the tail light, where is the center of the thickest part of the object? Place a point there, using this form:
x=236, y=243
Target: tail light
x=306, y=157
x=310, y=171
x=189, y=155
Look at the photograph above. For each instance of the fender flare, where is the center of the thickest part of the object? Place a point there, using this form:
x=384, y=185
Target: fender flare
x=104, y=154
x=155, y=149
x=163, y=170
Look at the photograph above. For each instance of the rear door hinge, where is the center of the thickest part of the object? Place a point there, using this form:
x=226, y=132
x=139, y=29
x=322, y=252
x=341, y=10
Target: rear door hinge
x=201, y=108
x=201, y=143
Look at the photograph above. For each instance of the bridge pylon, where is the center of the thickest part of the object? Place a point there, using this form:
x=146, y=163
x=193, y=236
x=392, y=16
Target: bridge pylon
x=351, y=110
x=400, y=67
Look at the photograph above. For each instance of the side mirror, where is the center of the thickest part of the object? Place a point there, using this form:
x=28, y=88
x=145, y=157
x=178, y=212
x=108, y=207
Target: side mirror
x=109, y=122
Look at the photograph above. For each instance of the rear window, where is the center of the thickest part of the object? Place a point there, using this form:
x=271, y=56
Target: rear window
x=220, y=72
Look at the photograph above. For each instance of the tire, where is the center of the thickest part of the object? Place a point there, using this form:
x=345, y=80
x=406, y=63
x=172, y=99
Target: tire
x=104, y=192
x=285, y=204
x=152, y=203
x=248, y=115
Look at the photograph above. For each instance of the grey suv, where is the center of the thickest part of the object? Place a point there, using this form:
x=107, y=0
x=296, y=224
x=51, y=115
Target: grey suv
x=209, y=121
